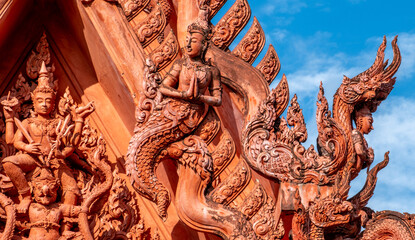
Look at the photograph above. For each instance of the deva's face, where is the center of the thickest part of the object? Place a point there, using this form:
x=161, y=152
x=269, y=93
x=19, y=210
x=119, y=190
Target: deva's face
x=45, y=191
x=194, y=44
x=367, y=124
x=43, y=103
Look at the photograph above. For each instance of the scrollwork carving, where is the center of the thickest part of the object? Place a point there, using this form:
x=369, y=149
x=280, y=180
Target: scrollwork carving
x=131, y=7
x=389, y=223
x=148, y=29
x=227, y=190
x=215, y=6
x=223, y=153
x=270, y=65
x=231, y=24
x=251, y=44
x=259, y=208
x=166, y=52
x=209, y=127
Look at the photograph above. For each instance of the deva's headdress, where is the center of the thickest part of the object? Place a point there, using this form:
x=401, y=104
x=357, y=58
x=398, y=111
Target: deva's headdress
x=202, y=25
x=45, y=83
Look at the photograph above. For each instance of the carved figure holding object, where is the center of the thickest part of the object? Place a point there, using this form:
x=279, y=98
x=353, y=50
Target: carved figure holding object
x=38, y=143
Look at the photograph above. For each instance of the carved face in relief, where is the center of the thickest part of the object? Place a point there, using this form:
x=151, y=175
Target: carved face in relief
x=195, y=44
x=45, y=191
x=43, y=103
x=366, y=124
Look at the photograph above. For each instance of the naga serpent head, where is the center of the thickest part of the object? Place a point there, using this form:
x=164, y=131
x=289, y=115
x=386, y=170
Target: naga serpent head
x=372, y=86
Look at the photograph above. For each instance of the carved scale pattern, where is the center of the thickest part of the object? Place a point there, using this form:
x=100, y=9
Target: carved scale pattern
x=251, y=45
x=231, y=24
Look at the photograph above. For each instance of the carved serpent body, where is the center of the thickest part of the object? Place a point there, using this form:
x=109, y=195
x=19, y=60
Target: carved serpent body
x=98, y=159
x=169, y=122
x=8, y=205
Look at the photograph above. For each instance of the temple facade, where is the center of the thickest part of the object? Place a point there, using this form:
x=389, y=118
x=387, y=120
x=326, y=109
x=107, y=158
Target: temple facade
x=132, y=119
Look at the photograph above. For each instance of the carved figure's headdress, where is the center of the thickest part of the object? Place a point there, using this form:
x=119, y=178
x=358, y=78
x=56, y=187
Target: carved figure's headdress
x=45, y=84
x=202, y=25
x=373, y=85
x=44, y=176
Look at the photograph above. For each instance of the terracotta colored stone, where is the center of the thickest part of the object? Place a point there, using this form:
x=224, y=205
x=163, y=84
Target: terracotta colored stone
x=195, y=146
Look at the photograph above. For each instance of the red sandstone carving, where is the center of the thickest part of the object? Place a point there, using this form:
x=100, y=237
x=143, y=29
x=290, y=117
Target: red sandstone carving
x=209, y=114
x=251, y=45
x=270, y=65
x=149, y=29
x=166, y=52
x=231, y=24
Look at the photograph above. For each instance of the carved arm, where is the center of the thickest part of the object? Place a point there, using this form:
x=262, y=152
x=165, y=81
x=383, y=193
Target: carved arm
x=215, y=88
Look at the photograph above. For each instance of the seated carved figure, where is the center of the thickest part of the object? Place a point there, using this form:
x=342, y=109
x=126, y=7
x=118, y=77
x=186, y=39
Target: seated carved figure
x=43, y=141
x=191, y=85
x=44, y=214
x=365, y=155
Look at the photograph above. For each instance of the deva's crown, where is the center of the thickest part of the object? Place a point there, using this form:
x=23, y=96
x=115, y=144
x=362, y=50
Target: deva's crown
x=45, y=83
x=202, y=25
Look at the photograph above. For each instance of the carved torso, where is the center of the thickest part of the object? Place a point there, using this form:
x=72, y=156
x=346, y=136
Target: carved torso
x=42, y=131
x=44, y=221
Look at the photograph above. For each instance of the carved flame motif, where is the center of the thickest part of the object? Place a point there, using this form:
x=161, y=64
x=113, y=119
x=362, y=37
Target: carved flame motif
x=227, y=190
x=166, y=52
x=151, y=27
x=37, y=57
x=251, y=45
x=231, y=24
x=270, y=65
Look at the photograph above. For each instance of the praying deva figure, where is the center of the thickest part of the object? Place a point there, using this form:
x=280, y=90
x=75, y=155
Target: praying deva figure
x=36, y=140
x=191, y=85
x=363, y=119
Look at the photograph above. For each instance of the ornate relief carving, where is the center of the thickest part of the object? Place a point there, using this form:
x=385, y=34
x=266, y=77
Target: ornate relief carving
x=148, y=29
x=270, y=65
x=120, y=215
x=41, y=54
x=215, y=6
x=131, y=7
x=231, y=24
x=392, y=224
x=251, y=44
x=259, y=208
x=254, y=201
x=189, y=88
x=166, y=52
x=209, y=127
x=223, y=153
x=230, y=188
x=46, y=140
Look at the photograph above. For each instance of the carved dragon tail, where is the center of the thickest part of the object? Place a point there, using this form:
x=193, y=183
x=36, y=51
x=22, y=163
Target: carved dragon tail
x=8, y=206
x=98, y=159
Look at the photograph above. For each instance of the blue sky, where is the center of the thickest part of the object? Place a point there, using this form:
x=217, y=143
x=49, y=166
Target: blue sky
x=322, y=41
